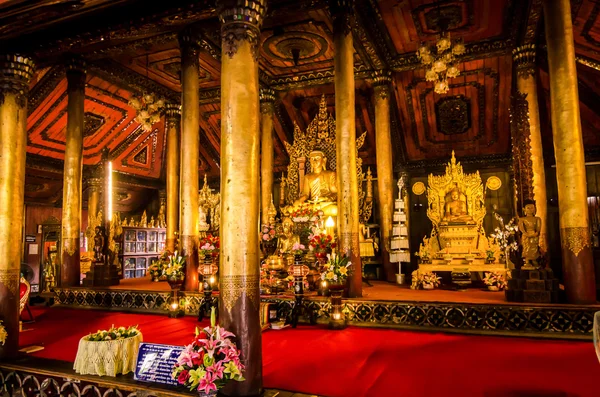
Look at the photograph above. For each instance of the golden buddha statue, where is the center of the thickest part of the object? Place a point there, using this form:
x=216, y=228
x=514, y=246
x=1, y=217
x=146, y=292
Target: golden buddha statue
x=287, y=239
x=530, y=227
x=455, y=208
x=320, y=186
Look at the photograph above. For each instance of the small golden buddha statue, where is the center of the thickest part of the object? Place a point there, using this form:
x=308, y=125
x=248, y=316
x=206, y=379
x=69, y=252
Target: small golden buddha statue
x=530, y=227
x=455, y=208
x=288, y=238
x=320, y=186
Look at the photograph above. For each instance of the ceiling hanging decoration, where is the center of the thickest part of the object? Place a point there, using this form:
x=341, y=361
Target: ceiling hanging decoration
x=148, y=107
x=441, y=60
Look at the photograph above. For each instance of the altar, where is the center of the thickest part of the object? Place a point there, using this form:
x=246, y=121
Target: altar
x=458, y=242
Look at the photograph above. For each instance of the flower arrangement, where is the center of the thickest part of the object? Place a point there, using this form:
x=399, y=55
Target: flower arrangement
x=209, y=245
x=3, y=334
x=337, y=269
x=504, y=234
x=306, y=213
x=495, y=279
x=155, y=270
x=210, y=361
x=113, y=333
x=490, y=255
x=267, y=232
x=175, y=267
x=148, y=109
x=298, y=249
x=427, y=280
x=321, y=243
x=423, y=253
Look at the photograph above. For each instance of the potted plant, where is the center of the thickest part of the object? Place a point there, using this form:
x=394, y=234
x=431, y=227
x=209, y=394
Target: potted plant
x=424, y=280
x=495, y=281
x=210, y=361
x=175, y=270
x=298, y=250
x=336, y=271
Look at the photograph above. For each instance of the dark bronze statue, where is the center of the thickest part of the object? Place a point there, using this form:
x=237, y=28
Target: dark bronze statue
x=99, y=240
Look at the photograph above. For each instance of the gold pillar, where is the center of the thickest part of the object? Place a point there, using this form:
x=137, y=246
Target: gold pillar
x=578, y=266
x=93, y=206
x=15, y=74
x=239, y=300
x=524, y=58
x=190, y=147
x=347, y=178
x=173, y=116
x=267, y=99
x=71, y=204
x=385, y=172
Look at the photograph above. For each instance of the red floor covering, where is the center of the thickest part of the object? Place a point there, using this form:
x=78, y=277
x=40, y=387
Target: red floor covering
x=365, y=361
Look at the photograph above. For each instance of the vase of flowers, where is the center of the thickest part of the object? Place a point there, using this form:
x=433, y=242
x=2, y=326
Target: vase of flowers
x=209, y=246
x=495, y=281
x=336, y=271
x=268, y=240
x=424, y=280
x=504, y=237
x=155, y=271
x=210, y=362
x=298, y=251
x=321, y=244
x=175, y=270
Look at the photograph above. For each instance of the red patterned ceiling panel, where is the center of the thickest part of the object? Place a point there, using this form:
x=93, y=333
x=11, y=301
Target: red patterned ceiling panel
x=108, y=121
x=143, y=155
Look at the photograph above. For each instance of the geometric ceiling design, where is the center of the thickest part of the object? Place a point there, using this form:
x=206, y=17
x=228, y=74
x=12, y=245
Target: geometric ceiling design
x=131, y=50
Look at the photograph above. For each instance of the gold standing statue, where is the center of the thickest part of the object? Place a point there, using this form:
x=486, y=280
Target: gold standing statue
x=530, y=227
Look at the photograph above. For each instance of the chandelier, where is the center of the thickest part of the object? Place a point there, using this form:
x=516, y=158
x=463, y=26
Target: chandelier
x=148, y=107
x=441, y=61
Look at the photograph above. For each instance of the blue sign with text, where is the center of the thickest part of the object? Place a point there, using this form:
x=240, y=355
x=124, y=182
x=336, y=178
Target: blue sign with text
x=155, y=363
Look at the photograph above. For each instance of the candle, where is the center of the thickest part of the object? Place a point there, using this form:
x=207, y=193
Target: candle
x=336, y=316
x=329, y=225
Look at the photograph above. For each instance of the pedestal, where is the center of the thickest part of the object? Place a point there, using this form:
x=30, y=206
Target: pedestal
x=101, y=275
x=532, y=286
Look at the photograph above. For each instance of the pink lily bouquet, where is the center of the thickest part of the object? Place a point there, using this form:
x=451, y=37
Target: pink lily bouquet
x=210, y=362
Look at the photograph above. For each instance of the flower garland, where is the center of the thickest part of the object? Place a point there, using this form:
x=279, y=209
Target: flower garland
x=337, y=268
x=495, y=279
x=306, y=214
x=113, y=333
x=210, y=361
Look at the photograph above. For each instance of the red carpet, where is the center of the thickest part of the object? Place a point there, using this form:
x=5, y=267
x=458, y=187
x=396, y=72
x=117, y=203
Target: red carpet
x=365, y=362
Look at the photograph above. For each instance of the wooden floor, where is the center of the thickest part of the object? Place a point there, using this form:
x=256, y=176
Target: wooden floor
x=380, y=291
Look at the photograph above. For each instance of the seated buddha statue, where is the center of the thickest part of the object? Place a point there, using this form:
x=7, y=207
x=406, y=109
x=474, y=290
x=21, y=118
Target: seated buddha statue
x=320, y=186
x=455, y=209
x=287, y=239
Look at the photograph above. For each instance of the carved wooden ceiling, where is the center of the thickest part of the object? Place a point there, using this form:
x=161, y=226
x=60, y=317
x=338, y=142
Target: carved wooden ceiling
x=128, y=55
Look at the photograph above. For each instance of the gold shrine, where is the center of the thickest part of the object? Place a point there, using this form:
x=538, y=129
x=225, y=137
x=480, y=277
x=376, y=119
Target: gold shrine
x=321, y=135
x=456, y=208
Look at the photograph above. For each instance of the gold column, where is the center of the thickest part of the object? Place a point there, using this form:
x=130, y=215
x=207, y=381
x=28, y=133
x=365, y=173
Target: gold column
x=347, y=178
x=578, y=266
x=190, y=147
x=524, y=58
x=15, y=73
x=239, y=300
x=173, y=116
x=93, y=206
x=267, y=99
x=385, y=172
x=71, y=204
